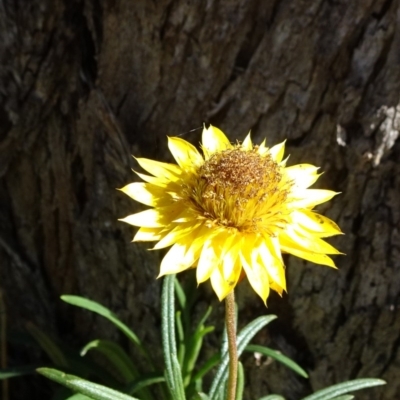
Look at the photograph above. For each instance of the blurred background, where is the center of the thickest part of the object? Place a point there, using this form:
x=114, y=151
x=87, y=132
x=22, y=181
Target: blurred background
x=86, y=83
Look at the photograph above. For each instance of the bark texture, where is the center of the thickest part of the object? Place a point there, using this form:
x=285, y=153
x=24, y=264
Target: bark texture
x=84, y=84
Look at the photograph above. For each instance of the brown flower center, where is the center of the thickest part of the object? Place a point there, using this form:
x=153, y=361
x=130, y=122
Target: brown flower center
x=233, y=187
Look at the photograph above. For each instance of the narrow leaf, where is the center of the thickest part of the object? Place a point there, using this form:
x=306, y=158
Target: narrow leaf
x=200, y=396
x=181, y=338
x=180, y=390
x=240, y=382
x=78, y=396
x=48, y=345
x=210, y=364
x=244, y=337
x=106, y=313
x=116, y=355
x=168, y=327
x=272, y=397
x=266, y=351
x=143, y=382
x=172, y=370
x=193, y=351
x=345, y=387
x=82, y=386
x=180, y=294
x=17, y=371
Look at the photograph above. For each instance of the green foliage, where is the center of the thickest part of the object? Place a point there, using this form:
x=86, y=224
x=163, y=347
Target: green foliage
x=173, y=373
x=82, y=386
x=182, y=341
x=334, y=392
x=243, y=338
x=97, y=308
x=278, y=357
x=18, y=371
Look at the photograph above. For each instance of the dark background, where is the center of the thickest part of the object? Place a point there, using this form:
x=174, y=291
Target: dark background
x=85, y=84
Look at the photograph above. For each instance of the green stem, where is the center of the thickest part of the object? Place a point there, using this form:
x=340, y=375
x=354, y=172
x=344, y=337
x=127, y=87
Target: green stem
x=232, y=346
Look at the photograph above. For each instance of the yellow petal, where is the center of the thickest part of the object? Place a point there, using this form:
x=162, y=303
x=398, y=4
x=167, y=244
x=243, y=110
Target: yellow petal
x=196, y=241
x=148, y=218
x=247, y=143
x=256, y=273
x=211, y=254
x=290, y=238
x=201, y=235
x=219, y=284
x=273, y=265
x=224, y=240
x=314, y=222
x=185, y=154
x=160, y=169
x=272, y=242
x=161, y=182
x=179, y=233
x=233, y=278
x=213, y=140
x=187, y=215
x=277, y=288
x=177, y=260
x=147, y=234
x=310, y=256
x=309, y=198
x=229, y=260
x=143, y=193
x=302, y=175
x=278, y=151
x=284, y=162
x=208, y=261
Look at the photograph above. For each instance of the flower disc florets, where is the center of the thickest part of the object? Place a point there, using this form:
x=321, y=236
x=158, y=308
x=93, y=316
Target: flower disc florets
x=231, y=212
x=235, y=187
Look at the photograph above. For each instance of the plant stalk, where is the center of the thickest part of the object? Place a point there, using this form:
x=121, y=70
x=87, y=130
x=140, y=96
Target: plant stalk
x=230, y=315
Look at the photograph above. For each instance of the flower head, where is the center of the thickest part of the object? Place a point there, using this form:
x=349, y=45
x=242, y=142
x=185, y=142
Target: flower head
x=231, y=212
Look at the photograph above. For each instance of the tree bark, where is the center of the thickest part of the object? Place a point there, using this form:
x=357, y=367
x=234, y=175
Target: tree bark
x=84, y=84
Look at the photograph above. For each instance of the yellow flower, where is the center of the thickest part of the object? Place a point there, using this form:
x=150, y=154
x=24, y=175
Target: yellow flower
x=235, y=209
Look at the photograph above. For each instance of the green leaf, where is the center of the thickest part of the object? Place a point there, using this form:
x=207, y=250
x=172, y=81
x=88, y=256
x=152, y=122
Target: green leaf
x=180, y=294
x=210, y=364
x=200, y=396
x=181, y=338
x=116, y=355
x=204, y=318
x=266, y=351
x=173, y=370
x=143, y=382
x=240, y=382
x=342, y=388
x=82, y=386
x=344, y=397
x=244, y=337
x=193, y=350
x=168, y=327
x=7, y=373
x=78, y=396
x=195, y=343
x=178, y=378
x=272, y=397
x=86, y=366
x=48, y=345
x=106, y=313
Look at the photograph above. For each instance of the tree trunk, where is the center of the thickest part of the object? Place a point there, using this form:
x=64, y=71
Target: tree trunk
x=84, y=84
